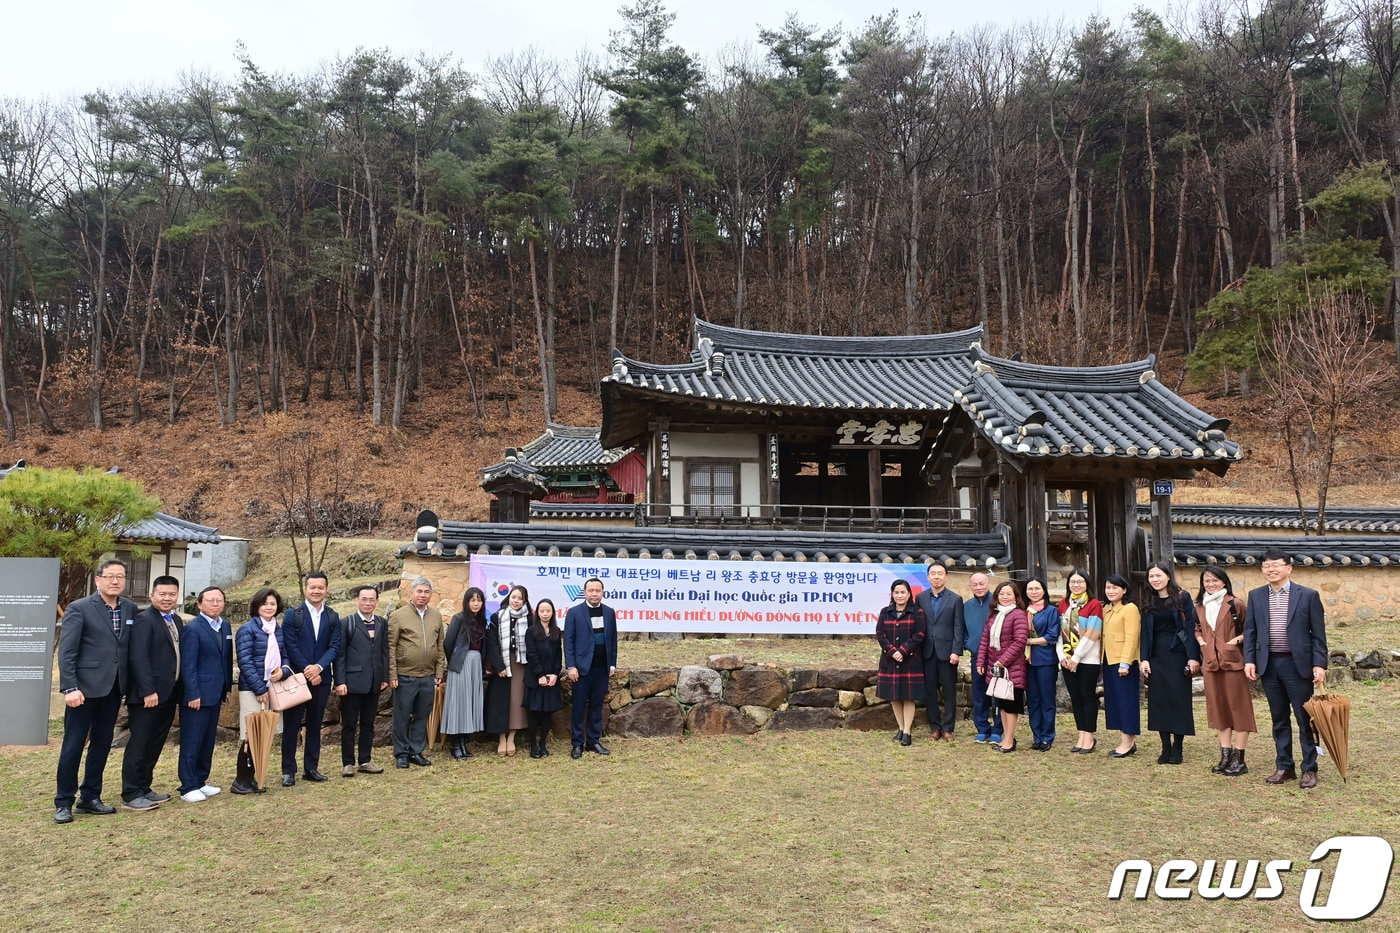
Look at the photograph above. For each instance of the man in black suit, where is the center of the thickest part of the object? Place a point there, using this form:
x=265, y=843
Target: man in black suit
x=312, y=632
x=1285, y=647
x=943, y=613
x=92, y=678
x=361, y=672
x=590, y=654
x=153, y=691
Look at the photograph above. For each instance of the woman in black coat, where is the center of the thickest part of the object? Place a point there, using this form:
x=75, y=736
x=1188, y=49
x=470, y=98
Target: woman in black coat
x=1170, y=658
x=544, y=653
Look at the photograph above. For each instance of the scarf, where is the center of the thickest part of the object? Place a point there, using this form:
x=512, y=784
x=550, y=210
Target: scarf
x=1069, y=620
x=273, y=660
x=511, y=627
x=995, y=638
x=1211, y=602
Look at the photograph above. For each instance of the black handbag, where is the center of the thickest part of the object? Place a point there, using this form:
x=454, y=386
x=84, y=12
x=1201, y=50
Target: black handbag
x=246, y=775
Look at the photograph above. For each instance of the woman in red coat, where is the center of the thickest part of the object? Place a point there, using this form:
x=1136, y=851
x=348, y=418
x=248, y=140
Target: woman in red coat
x=1003, y=651
x=901, y=630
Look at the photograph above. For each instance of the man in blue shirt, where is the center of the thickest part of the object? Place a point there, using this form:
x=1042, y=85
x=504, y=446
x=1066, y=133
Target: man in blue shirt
x=976, y=608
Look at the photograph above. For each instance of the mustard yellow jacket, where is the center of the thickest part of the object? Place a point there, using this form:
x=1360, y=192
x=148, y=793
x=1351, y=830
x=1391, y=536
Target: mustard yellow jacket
x=1122, y=633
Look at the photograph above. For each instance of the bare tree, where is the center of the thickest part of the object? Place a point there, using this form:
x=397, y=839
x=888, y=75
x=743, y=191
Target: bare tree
x=1320, y=364
x=310, y=483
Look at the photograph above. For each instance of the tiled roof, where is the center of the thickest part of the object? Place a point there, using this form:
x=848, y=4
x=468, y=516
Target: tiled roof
x=763, y=369
x=1308, y=550
x=461, y=539
x=1100, y=412
x=564, y=447
x=514, y=467
x=611, y=511
x=163, y=527
x=1273, y=516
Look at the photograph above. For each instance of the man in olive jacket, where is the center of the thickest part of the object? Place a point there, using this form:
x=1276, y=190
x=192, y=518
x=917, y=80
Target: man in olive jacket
x=416, y=666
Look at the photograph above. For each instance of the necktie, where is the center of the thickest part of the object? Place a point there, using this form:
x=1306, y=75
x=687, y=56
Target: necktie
x=174, y=639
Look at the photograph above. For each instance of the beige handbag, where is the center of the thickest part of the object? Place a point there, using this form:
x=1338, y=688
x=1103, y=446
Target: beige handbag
x=1000, y=686
x=288, y=692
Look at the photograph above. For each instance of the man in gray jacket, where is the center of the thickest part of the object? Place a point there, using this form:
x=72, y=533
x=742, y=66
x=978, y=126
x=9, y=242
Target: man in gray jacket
x=943, y=612
x=92, y=678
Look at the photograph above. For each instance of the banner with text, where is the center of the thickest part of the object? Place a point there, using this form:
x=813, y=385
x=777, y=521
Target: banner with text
x=707, y=595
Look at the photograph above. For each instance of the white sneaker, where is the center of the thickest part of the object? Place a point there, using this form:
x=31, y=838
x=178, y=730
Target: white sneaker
x=194, y=796
x=209, y=790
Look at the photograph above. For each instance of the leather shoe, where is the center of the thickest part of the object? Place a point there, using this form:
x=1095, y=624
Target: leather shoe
x=370, y=767
x=139, y=803
x=62, y=815
x=937, y=735
x=94, y=806
x=316, y=776
x=1114, y=753
x=598, y=749
x=347, y=771
x=1281, y=775
x=153, y=797
x=289, y=780
x=907, y=740
x=576, y=752
x=1308, y=781
x=400, y=762
x=420, y=760
x=238, y=787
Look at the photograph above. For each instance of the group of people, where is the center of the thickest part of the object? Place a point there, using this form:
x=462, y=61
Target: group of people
x=1019, y=639
x=502, y=673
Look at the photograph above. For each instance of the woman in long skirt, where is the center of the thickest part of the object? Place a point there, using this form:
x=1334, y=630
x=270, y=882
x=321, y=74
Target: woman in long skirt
x=544, y=646
x=1220, y=634
x=463, y=704
x=1122, y=640
x=1170, y=658
x=901, y=630
x=505, y=659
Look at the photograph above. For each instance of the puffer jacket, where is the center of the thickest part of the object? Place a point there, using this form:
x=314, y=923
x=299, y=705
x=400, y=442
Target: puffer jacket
x=251, y=645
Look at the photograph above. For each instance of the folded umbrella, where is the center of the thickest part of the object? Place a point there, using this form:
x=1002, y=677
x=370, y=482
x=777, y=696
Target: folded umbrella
x=435, y=717
x=1331, y=722
x=261, y=728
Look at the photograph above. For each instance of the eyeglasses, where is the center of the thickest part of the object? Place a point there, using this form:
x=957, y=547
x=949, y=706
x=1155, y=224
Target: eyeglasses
x=111, y=576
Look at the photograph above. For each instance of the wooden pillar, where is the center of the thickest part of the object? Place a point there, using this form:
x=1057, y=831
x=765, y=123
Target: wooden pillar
x=1111, y=544
x=772, y=458
x=1011, y=483
x=1037, y=528
x=1162, y=521
x=874, y=468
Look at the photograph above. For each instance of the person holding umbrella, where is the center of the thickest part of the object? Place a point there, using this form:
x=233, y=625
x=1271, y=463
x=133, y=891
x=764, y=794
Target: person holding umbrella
x=1285, y=648
x=261, y=648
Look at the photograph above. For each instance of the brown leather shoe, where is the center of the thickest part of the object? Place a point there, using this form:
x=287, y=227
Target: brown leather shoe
x=1308, y=781
x=371, y=768
x=936, y=735
x=1279, y=776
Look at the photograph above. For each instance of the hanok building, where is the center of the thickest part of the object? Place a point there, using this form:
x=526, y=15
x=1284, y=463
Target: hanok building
x=578, y=470
x=787, y=446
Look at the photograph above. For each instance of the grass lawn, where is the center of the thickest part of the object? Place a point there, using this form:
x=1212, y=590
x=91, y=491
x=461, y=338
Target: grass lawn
x=797, y=830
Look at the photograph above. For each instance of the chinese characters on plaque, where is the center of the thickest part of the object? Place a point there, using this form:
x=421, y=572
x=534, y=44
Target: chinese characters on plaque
x=882, y=433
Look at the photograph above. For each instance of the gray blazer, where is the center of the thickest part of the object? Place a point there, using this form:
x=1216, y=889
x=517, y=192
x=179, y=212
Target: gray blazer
x=92, y=658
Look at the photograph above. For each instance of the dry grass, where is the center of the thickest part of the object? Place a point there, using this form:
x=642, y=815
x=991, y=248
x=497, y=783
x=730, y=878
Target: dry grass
x=822, y=830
